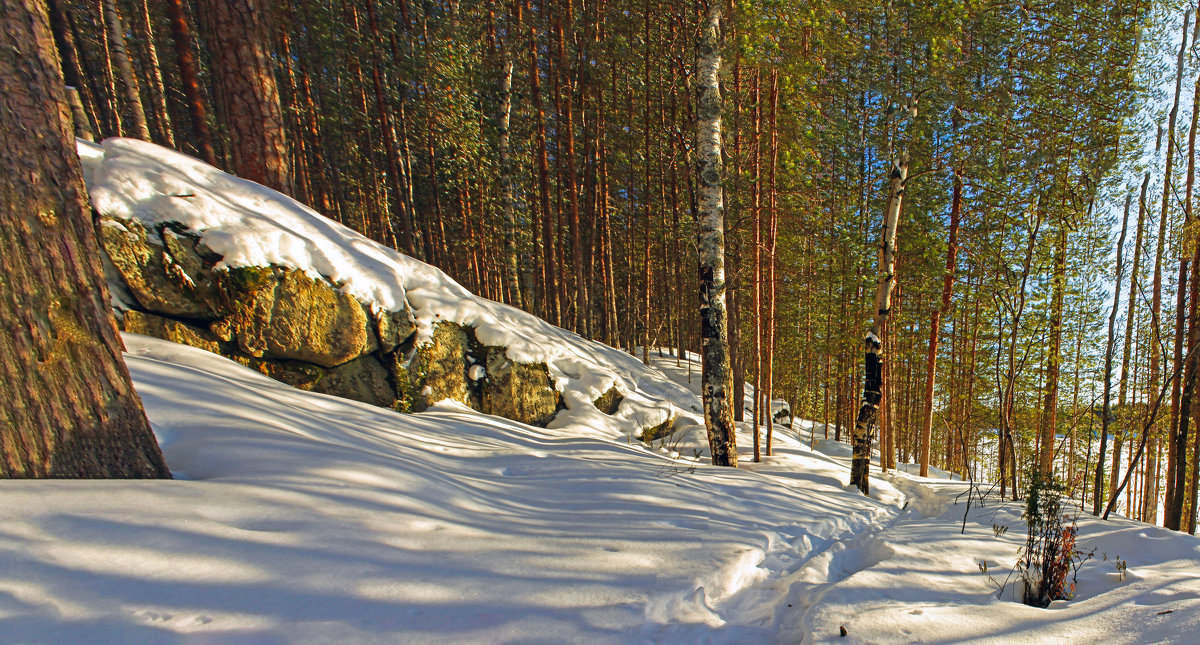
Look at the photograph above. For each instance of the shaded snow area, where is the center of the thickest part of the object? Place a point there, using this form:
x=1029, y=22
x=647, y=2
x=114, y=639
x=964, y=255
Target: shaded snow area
x=302, y=518
x=250, y=225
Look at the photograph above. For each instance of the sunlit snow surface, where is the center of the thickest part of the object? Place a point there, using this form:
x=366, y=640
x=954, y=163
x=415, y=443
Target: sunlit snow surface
x=302, y=518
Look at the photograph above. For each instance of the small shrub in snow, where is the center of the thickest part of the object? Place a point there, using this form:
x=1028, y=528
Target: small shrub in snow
x=1049, y=551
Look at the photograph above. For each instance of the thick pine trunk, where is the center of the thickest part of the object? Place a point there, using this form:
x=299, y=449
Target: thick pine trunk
x=236, y=34
x=714, y=329
x=71, y=409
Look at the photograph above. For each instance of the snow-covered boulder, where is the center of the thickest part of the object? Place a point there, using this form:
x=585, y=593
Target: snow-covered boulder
x=200, y=257
x=781, y=413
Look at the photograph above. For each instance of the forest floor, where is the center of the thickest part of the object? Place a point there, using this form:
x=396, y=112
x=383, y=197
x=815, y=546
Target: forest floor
x=301, y=518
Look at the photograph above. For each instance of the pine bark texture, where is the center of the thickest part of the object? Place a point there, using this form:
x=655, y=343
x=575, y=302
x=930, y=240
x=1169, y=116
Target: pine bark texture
x=714, y=326
x=181, y=39
x=71, y=410
x=130, y=93
x=935, y=326
x=236, y=32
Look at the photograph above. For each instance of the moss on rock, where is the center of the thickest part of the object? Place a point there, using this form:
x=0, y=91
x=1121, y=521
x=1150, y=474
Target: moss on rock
x=290, y=315
x=519, y=391
x=138, y=322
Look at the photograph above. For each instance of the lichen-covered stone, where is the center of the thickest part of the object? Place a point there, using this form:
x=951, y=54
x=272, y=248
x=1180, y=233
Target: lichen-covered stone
x=302, y=376
x=393, y=328
x=362, y=379
x=610, y=401
x=518, y=391
x=439, y=368
x=166, y=271
x=138, y=322
x=285, y=314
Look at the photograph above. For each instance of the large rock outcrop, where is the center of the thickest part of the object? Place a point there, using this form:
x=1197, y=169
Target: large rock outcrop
x=306, y=332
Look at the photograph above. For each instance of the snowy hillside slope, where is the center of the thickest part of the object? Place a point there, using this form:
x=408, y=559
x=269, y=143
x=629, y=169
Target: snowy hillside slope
x=249, y=225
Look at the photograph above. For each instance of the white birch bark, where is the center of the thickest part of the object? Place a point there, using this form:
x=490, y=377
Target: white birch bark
x=717, y=377
x=864, y=425
x=506, y=182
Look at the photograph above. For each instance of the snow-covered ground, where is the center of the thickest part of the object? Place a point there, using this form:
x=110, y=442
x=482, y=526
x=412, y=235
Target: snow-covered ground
x=301, y=518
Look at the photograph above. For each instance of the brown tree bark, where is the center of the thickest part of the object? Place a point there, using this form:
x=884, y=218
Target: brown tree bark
x=130, y=94
x=936, y=323
x=236, y=33
x=181, y=38
x=158, y=95
x=1109, y=350
x=71, y=408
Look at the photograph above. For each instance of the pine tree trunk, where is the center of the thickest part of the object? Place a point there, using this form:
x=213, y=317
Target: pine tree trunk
x=130, y=94
x=936, y=323
x=772, y=235
x=1109, y=350
x=714, y=330
x=1054, y=350
x=404, y=237
x=158, y=95
x=236, y=33
x=1130, y=324
x=756, y=259
x=71, y=408
x=506, y=186
x=181, y=38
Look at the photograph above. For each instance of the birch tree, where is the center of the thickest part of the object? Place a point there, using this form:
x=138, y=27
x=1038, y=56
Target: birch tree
x=885, y=279
x=716, y=376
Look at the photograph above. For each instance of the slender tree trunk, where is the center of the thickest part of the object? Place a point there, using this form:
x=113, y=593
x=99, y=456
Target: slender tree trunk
x=158, y=93
x=130, y=94
x=1130, y=324
x=1054, y=351
x=71, y=409
x=936, y=323
x=756, y=255
x=395, y=170
x=1109, y=350
x=772, y=234
x=181, y=38
x=718, y=408
x=508, y=198
x=550, y=302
